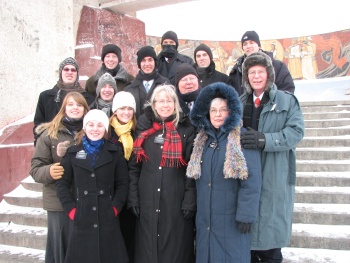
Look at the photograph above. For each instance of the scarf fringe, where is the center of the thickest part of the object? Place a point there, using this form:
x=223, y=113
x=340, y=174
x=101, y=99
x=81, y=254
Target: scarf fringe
x=166, y=162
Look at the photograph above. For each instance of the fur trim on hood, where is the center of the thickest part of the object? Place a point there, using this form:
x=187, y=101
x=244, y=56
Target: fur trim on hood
x=199, y=114
x=261, y=59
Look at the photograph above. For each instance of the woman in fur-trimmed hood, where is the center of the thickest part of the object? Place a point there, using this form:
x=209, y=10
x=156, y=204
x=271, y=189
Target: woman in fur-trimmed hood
x=275, y=127
x=228, y=180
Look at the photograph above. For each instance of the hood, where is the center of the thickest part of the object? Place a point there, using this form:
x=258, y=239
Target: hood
x=258, y=58
x=199, y=114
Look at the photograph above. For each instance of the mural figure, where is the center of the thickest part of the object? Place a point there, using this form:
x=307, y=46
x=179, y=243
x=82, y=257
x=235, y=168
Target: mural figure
x=219, y=56
x=294, y=61
x=306, y=61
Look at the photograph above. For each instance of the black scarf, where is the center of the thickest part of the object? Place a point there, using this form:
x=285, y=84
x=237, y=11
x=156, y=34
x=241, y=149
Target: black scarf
x=248, y=110
x=185, y=98
x=168, y=51
x=142, y=76
x=73, y=125
x=113, y=72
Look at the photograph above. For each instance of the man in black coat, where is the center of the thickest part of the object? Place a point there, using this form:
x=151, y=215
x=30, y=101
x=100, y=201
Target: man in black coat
x=169, y=58
x=250, y=44
x=205, y=67
x=146, y=80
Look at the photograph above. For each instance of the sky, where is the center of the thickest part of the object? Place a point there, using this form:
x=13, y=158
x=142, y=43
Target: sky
x=228, y=20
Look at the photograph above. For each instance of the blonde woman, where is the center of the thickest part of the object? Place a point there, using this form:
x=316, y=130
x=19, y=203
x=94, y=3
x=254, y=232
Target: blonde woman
x=55, y=137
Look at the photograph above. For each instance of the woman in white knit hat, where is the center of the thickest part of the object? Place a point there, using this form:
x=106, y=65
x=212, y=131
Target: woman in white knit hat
x=92, y=191
x=122, y=132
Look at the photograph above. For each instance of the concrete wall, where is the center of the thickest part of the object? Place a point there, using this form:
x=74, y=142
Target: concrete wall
x=36, y=35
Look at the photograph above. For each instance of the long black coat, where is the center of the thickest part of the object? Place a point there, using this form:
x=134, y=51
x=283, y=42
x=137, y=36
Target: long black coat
x=95, y=232
x=211, y=75
x=162, y=233
x=176, y=61
x=283, y=78
x=137, y=89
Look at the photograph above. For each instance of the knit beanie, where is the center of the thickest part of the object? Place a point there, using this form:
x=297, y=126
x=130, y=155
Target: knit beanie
x=68, y=61
x=123, y=99
x=96, y=115
x=170, y=35
x=251, y=35
x=205, y=48
x=146, y=51
x=183, y=70
x=106, y=79
x=111, y=48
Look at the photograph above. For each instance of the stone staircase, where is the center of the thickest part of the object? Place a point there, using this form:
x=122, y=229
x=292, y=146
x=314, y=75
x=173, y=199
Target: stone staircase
x=321, y=229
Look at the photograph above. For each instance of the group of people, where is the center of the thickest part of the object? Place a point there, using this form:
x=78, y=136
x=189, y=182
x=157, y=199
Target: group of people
x=181, y=163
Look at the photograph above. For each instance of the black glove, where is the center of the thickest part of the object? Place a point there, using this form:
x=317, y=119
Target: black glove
x=188, y=214
x=244, y=227
x=136, y=211
x=253, y=139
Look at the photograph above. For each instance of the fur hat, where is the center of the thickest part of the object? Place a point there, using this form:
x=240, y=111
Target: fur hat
x=111, y=48
x=146, y=51
x=170, y=35
x=183, y=70
x=261, y=59
x=251, y=35
x=103, y=80
x=123, y=99
x=69, y=61
x=96, y=115
x=205, y=48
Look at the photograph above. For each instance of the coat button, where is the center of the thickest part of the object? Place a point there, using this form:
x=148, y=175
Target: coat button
x=209, y=184
x=102, y=192
x=95, y=225
x=160, y=167
x=86, y=192
x=161, y=147
x=94, y=208
x=158, y=189
x=92, y=175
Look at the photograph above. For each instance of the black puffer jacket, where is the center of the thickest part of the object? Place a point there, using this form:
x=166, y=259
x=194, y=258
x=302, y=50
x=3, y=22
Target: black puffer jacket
x=283, y=80
x=211, y=75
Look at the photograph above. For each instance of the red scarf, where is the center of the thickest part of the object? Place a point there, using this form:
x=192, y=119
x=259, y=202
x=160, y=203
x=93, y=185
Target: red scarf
x=172, y=148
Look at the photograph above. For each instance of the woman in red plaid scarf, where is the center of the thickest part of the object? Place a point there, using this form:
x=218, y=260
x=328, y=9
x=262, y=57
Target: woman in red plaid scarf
x=160, y=195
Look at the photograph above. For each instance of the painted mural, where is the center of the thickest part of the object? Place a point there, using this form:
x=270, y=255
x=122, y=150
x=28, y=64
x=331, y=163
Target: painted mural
x=307, y=57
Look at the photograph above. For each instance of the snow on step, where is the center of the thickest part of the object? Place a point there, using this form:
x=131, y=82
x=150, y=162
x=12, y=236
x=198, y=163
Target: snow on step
x=309, y=255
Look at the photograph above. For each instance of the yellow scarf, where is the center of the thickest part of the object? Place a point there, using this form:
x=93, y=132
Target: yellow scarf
x=124, y=133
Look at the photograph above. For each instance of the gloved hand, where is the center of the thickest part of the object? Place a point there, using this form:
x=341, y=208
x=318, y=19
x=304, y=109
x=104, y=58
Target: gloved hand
x=72, y=214
x=188, y=214
x=244, y=227
x=62, y=148
x=253, y=139
x=136, y=211
x=56, y=171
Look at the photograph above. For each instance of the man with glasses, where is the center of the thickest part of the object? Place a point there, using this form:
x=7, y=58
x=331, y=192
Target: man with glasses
x=169, y=58
x=250, y=44
x=50, y=101
x=187, y=86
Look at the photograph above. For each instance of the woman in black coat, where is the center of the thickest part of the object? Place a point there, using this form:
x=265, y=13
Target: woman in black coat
x=160, y=195
x=92, y=192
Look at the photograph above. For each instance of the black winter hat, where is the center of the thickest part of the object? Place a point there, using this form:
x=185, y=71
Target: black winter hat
x=170, y=35
x=111, y=48
x=146, y=51
x=205, y=48
x=183, y=70
x=251, y=35
x=69, y=61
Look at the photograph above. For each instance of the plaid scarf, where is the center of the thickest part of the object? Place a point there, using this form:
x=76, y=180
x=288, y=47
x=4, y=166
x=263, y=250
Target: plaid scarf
x=172, y=148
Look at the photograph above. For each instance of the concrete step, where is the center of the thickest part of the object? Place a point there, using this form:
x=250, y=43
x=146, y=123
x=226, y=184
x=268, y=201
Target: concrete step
x=318, y=109
x=325, y=104
x=322, y=195
x=324, y=214
x=323, y=166
x=327, y=123
x=335, y=237
x=330, y=153
x=329, y=179
x=23, y=197
x=326, y=115
x=313, y=132
x=324, y=142
x=14, y=254
x=29, y=184
x=20, y=215
x=23, y=236
x=309, y=255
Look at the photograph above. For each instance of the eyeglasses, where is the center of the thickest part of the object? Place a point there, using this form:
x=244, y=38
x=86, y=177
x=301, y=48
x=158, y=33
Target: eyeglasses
x=162, y=102
x=189, y=79
x=258, y=72
x=69, y=69
x=221, y=111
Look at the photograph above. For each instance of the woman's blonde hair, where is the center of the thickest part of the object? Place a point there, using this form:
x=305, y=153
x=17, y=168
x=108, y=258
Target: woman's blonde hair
x=56, y=123
x=169, y=92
